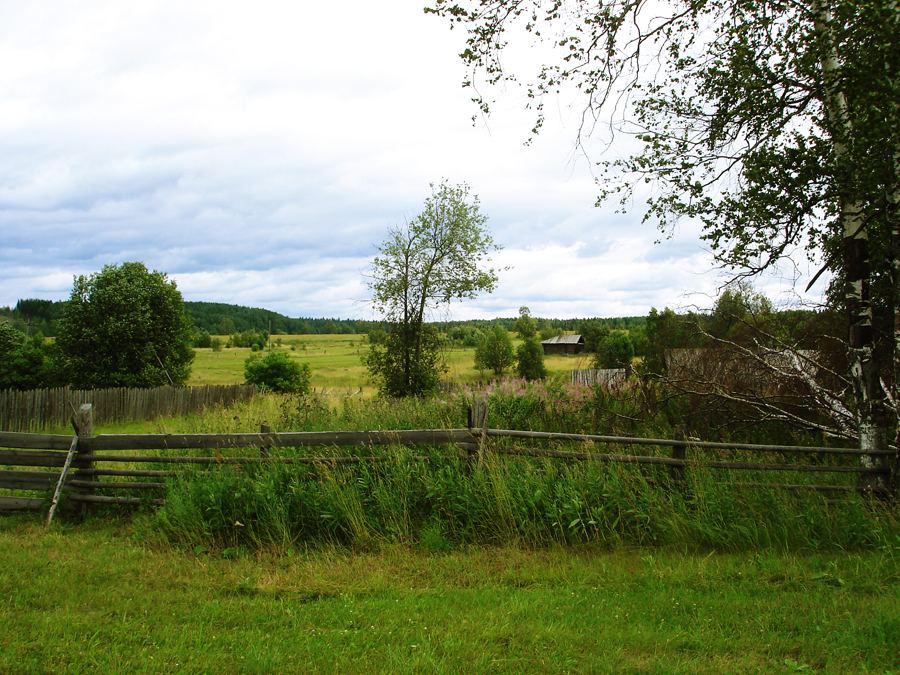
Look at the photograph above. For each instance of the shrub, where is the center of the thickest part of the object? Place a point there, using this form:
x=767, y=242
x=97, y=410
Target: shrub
x=277, y=372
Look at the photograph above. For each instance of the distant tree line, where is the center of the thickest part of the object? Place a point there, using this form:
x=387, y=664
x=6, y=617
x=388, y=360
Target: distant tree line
x=219, y=318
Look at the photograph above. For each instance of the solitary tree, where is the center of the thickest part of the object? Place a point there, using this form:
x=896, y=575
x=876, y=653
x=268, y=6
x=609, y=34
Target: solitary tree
x=437, y=257
x=125, y=327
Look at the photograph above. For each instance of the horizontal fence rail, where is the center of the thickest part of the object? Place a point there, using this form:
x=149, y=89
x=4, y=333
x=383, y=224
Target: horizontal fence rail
x=49, y=451
x=40, y=409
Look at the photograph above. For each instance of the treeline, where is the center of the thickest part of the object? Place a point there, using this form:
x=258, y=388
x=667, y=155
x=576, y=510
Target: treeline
x=34, y=316
x=218, y=318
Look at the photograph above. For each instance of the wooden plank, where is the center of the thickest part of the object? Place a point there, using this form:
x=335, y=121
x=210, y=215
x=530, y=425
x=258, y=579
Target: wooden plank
x=48, y=458
x=112, y=442
x=110, y=485
x=136, y=459
x=125, y=501
x=139, y=473
x=14, y=439
x=625, y=440
x=62, y=479
x=28, y=480
x=668, y=461
x=19, y=504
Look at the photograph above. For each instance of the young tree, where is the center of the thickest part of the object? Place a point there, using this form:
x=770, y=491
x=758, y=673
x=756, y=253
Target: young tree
x=437, y=257
x=125, y=327
x=530, y=360
x=526, y=326
x=496, y=351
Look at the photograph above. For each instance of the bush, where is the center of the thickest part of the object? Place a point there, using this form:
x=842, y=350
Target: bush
x=277, y=372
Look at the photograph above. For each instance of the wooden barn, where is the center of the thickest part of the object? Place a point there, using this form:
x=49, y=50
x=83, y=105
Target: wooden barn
x=565, y=345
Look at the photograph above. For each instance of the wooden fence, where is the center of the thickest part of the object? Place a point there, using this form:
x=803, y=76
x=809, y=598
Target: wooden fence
x=41, y=409
x=85, y=452
x=608, y=377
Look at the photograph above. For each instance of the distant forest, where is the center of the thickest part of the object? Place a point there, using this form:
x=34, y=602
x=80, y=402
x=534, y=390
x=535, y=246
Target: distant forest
x=41, y=316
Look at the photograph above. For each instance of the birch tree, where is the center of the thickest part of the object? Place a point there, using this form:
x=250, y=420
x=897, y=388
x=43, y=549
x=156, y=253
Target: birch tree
x=772, y=122
x=439, y=256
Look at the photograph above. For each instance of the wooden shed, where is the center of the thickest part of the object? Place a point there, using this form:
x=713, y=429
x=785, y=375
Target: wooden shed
x=565, y=345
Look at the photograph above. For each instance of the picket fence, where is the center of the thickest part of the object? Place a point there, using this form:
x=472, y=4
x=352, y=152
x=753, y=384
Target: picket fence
x=40, y=409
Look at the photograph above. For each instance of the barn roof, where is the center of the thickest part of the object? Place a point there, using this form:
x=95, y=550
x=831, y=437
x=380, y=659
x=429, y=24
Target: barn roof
x=563, y=340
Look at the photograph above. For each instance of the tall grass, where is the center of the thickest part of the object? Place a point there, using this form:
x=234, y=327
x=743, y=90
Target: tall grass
x=440, y=499
x=442, y=502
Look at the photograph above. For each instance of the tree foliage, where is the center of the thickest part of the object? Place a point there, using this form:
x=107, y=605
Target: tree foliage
x=496, y=352
x=614, y=351
x=530, y=360
x=277, y=372
x=774, y=124
x=437, y=257
x=24, y=362
x=125, y=327
x=387, y=359
x=526, y=326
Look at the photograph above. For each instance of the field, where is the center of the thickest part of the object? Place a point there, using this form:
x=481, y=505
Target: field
x=106, y=596
x=520, y=566
x=335, y=362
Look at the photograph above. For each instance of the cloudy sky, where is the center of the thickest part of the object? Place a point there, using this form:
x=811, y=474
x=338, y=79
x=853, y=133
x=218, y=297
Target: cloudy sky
x=258, y=153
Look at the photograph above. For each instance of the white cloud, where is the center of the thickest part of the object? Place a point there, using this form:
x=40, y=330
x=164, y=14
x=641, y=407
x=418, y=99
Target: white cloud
x=259, y=153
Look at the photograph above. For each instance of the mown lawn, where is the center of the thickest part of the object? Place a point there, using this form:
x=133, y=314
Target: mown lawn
x=106, y=596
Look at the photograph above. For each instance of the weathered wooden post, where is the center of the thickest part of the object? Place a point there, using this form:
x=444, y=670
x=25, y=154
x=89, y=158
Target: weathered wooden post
x=478, y=419
x=676, y=473
x=84, y=428
x=264, y=450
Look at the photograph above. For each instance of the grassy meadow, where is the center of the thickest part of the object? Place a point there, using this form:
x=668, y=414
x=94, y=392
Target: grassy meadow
x=335, y=362
x=108, y=596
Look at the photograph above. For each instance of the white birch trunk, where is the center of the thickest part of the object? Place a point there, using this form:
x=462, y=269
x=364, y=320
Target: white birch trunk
x=870, y=395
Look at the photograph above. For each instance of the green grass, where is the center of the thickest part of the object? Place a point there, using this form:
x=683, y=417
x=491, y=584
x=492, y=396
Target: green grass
x=106, y=597
x=335, y=363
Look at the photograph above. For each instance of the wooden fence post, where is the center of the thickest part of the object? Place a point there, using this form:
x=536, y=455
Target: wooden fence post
x=478, y=419
x=84, y=427
x=676, y=473
x=264, y=451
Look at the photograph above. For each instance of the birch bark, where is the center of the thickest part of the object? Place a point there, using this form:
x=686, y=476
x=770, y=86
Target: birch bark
x=871, y=398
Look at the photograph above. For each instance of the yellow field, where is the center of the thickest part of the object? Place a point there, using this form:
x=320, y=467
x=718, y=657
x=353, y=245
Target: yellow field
x=335, y=362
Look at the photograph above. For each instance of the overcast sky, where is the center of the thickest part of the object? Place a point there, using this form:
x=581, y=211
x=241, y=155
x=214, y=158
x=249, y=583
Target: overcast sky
x=258, y=153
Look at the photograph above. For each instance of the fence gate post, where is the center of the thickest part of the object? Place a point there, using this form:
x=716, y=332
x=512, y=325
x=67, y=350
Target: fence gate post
x=676, y=473
x=84, y=427
x=478, y=419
